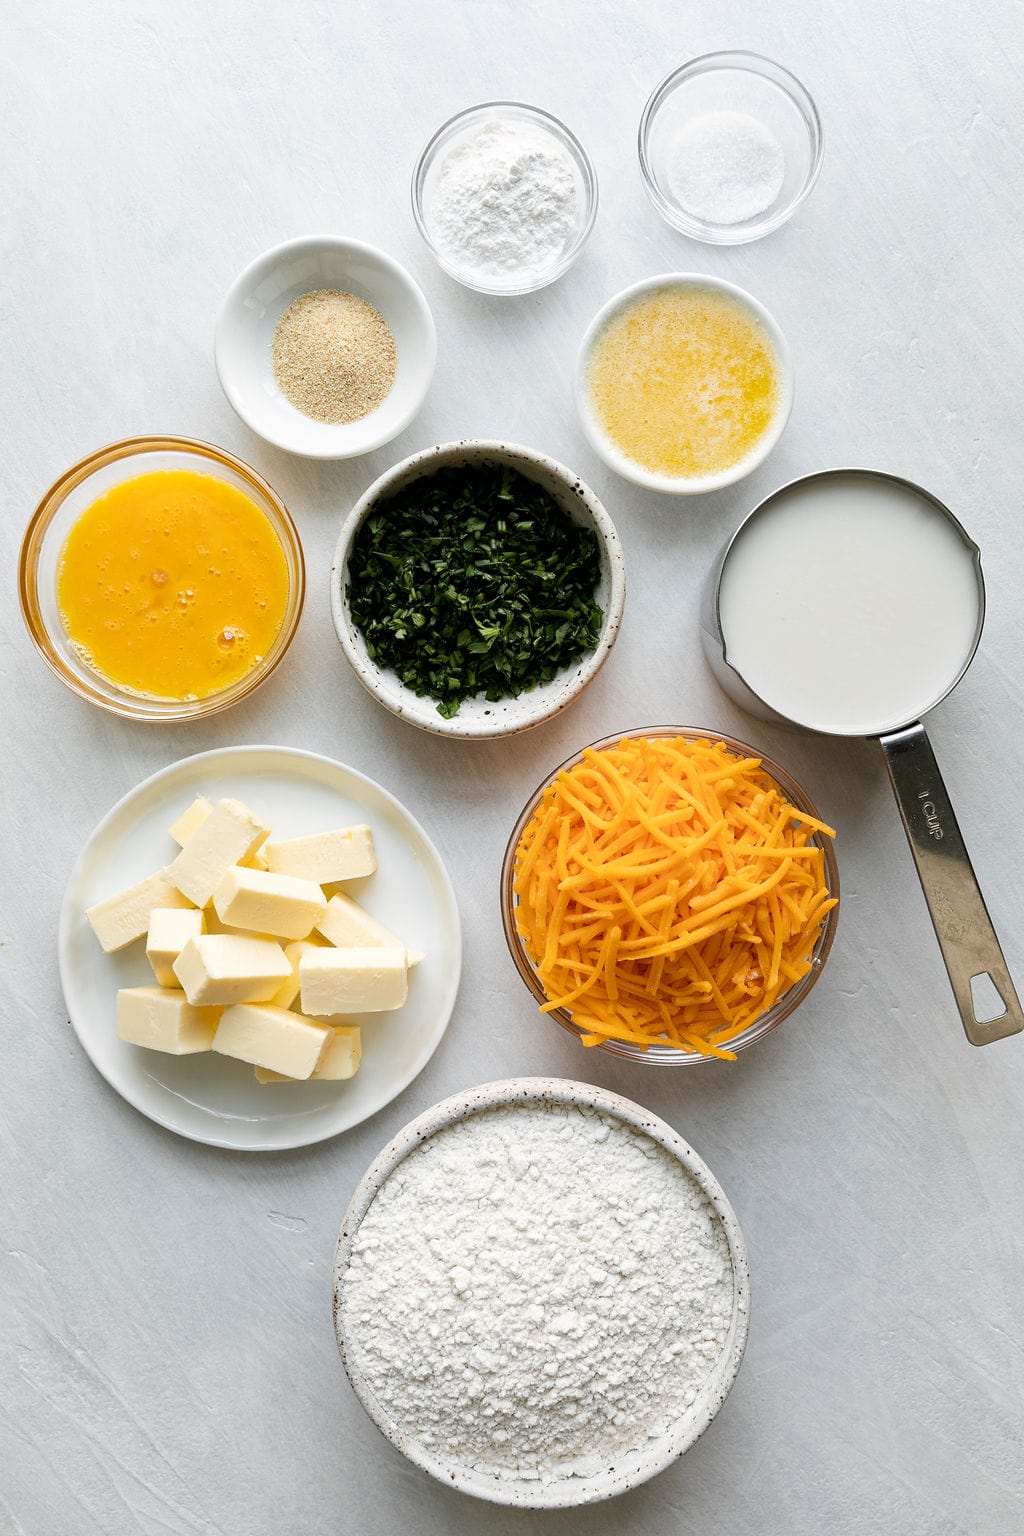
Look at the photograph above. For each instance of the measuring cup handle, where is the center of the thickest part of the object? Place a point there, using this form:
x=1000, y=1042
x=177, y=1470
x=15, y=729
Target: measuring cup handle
x=958, y=912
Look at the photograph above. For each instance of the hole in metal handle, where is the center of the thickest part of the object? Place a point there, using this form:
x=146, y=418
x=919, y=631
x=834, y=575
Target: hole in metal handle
x=986, y=999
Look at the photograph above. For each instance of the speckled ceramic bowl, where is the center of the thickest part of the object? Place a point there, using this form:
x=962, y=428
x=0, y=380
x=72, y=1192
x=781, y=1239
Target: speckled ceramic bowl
x=480, y=717
x=656, y=1454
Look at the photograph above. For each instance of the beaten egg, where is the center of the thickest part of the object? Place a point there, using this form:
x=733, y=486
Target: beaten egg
x=172, y=585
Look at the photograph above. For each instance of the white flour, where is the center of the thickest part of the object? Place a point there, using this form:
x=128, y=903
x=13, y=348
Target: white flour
x=505, y=202
x=536, y=1291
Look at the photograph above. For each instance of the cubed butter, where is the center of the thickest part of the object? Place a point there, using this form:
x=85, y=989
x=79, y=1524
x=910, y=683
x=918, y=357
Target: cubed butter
x=170, y=929
x=362, y=980
x=230, y=833
x=220, y=968
x=214, y=925
x=270, y=903
x=258, y=860
x=162, y=1020
x=340, y=1060
x=123, y=918
x=190, y=820
x=346, y=924
x=272, y=1038
x=342, y=1054
x=344, y=854
x=288, y=991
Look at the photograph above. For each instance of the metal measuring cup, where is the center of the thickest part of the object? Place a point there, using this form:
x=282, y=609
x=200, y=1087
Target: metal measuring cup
x=957, y=908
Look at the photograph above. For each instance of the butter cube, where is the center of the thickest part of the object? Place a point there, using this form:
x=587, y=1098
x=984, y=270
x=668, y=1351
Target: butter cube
x=220, y=968
x=190, y=820
x=345, y=854
x=346, y=924
x=229, y=834
x=342, y=1054
x=214, y=925
x=364, y=980
x=288, y=991
x=162, y=1020
x=170, y=929
x=277, y=904
x=272, y=1038
x=340, y=1060
x=257, y=860
x=123, y=918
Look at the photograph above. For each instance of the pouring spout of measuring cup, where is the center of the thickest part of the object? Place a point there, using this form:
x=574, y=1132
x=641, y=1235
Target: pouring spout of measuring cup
x=984, y=991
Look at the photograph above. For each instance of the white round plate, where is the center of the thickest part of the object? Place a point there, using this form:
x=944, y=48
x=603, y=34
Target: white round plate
x=211, y=1098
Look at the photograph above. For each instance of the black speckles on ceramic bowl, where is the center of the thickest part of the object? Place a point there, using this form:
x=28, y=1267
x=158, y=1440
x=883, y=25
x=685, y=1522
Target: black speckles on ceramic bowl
x=656, y=1454
x=479, y=718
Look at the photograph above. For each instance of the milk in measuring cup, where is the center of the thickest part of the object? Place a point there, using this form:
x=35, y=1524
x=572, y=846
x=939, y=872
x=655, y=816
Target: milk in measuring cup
x=850, y=604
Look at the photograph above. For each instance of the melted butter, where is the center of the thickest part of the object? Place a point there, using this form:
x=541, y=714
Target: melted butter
x=172, y=585
x=685, y=381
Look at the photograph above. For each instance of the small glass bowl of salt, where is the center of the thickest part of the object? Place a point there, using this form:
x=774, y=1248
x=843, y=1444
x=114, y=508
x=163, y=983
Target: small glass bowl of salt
x=504, y=196
x=730, y=145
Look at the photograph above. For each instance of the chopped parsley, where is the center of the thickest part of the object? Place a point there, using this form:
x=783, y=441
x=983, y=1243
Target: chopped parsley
x=473, y=580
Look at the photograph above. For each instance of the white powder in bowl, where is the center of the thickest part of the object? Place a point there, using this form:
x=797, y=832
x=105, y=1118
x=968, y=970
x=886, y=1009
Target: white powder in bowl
x=505, y=202
x=536, y=1291
x=725, y=167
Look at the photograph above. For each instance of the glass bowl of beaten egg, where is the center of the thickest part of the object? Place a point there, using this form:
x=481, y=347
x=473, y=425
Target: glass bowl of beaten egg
x=683, y=383
x=660, y=1053
x=161, y=579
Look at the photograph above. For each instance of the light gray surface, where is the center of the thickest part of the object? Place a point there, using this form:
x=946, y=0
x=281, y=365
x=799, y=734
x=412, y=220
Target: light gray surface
x=169, y=1364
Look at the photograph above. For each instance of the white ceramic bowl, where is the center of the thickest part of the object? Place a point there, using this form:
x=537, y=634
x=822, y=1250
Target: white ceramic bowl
x=478, y=717
x=259, y=297
x=655, y=1455
x=676, y=485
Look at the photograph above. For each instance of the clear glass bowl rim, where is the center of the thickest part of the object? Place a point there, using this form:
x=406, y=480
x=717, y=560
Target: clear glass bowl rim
x=127, y=705
x=753, y=63
x=561, y=130
x=665, y=1055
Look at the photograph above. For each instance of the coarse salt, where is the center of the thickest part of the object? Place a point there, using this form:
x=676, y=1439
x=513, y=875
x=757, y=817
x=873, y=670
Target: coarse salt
x=536, y=1291
x=725, y=167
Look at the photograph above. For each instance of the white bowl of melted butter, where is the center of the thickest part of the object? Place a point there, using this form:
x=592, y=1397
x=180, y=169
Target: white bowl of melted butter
x=683, y=383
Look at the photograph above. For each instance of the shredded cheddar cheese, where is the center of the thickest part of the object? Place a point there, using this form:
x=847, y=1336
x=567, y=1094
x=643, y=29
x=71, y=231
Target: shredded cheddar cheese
x=667, y=893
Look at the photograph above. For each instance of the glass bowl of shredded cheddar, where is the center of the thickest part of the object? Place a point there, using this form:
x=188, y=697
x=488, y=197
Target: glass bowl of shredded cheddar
x=670, y=896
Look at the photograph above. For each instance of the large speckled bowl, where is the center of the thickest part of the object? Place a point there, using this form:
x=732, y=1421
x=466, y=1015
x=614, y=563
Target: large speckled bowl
x=655, y=1454
x=479, y=717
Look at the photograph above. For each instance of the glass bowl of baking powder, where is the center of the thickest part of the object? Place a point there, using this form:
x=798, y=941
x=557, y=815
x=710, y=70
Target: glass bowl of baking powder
x=505, y=197
x=541, y=1293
